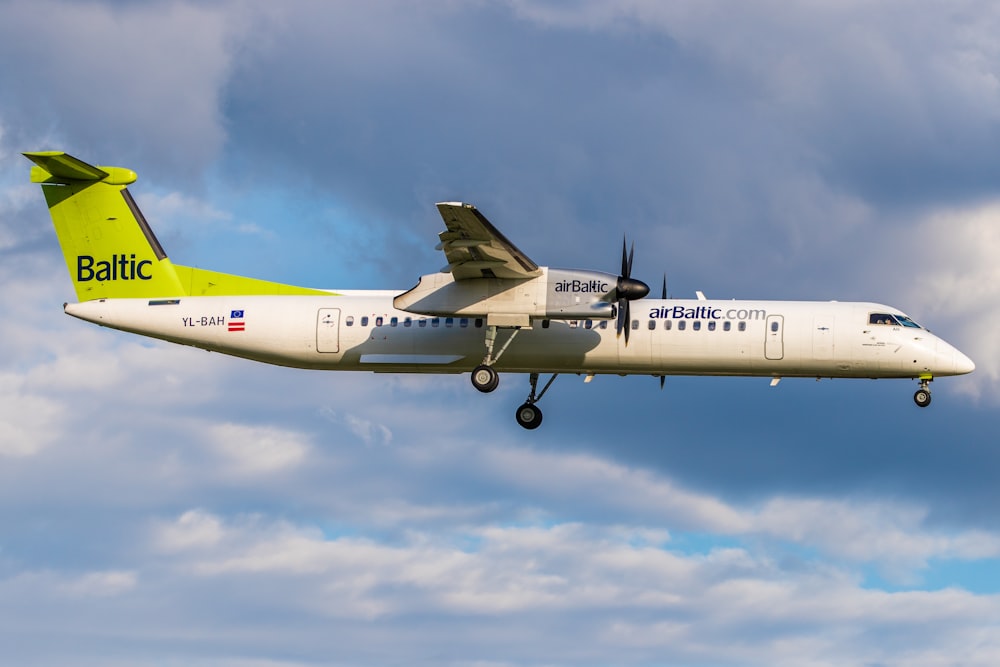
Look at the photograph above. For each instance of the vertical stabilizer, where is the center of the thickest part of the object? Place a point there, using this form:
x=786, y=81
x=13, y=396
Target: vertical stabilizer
x=109, y=248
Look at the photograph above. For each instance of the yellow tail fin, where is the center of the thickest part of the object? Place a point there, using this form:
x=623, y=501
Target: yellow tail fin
x=110, y=250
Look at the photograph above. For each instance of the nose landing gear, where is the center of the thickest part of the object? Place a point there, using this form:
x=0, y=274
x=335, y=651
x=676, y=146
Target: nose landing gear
x=923, y=395
x=529, y=416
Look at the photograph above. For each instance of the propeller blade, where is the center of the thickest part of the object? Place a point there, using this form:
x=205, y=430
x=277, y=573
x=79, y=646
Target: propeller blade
x=628, y=321
x=628, y=289
x=664, y=293
x=663, y=380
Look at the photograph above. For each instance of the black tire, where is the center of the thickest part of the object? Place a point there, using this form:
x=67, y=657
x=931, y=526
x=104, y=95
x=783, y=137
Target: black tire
x=485, y=379
x=922, y=398
x=529, y=416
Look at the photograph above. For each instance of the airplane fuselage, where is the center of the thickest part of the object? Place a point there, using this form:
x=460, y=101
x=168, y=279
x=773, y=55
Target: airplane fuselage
x=491, y=309
x=362, y=331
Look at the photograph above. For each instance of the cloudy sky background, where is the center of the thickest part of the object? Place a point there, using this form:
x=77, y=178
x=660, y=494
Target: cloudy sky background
x=160, y=505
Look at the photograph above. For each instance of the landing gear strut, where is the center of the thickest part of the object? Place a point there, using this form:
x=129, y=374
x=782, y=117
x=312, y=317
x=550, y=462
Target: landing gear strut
x=923, y=395
x=484, y=377
x=529, y=415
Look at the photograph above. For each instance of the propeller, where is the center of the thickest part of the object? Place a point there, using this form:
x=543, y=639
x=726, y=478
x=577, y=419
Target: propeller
x=627, y=290
x=663, y=295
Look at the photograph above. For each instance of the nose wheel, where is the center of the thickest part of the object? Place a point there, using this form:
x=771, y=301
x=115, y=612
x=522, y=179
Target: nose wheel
x=923, y=395
x=529, y=415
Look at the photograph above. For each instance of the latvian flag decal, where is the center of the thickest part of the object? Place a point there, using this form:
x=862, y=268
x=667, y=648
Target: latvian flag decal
x=236, y=321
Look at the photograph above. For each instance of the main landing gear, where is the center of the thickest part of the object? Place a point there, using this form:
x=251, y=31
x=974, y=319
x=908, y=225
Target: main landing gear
x=485, y=379
x=923, y=395
x=484, y=376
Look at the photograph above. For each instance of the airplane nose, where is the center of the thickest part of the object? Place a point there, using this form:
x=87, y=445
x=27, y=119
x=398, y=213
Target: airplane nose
x=963, y=364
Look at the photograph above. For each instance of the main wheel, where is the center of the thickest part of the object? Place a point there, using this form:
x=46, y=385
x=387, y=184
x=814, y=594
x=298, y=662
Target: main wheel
x=922, y=398
x=485, y=379
x=529, y=416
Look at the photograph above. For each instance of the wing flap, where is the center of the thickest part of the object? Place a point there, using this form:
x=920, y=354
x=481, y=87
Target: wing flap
x=475, y=248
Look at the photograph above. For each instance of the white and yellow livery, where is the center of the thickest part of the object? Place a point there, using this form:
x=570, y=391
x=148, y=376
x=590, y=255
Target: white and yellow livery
x=491, y=309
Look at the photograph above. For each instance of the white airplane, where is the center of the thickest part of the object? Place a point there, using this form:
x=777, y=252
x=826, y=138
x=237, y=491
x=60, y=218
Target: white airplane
x=490, y=310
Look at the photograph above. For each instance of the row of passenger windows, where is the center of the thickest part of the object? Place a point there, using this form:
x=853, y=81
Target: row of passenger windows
x=696, y=325
x=408, y=321
x=463, y=322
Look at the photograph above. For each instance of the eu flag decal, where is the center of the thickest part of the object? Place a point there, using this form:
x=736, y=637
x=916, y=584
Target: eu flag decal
x=236, y=321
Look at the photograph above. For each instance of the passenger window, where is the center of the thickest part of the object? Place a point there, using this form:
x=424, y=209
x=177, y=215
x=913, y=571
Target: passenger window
x=652, y=324
x=449, y=321
x=436, y=322
x=378, y=321
x=668, y=324
x=696, y=325
x=479, y=323
x=604, y=324
x=394, y=321
x=635, y=324
x=587, y=324
x=711, y=325
x=681, y=325
x=774, y=327
x=350, y=320
x=364, y=321
x=421, y=322
x=545, y=324
x=573, y=324
x=407, y=322
x=464, y=322
x=726, y=326
x=742, y=326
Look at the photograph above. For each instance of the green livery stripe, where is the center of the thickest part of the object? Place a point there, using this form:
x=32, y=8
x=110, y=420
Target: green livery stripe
x=199, y=282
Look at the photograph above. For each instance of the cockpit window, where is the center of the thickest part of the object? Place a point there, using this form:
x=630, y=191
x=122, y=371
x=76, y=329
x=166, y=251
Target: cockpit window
x=882, y=318
x=892, y=320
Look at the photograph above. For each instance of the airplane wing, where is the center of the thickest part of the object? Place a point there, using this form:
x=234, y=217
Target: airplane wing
x=476, y=249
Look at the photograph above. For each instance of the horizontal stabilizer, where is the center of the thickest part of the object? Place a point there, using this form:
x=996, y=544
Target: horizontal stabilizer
x=59, y=167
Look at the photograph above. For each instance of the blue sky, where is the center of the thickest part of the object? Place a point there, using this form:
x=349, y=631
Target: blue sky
x=161, y=505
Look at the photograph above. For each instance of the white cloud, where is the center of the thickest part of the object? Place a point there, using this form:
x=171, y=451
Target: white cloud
x=28, y=421
x=368, y=431
x=102, y=584
x=716, y=606
x=257, y=450
x=955, y=276
x=195, y=529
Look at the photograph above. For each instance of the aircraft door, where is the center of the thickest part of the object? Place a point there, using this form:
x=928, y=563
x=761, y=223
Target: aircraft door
x=823, y=337
x=328, y=330
x=774, y=345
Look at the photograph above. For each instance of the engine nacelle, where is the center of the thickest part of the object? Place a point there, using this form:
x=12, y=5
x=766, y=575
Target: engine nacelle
x=565, y=294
